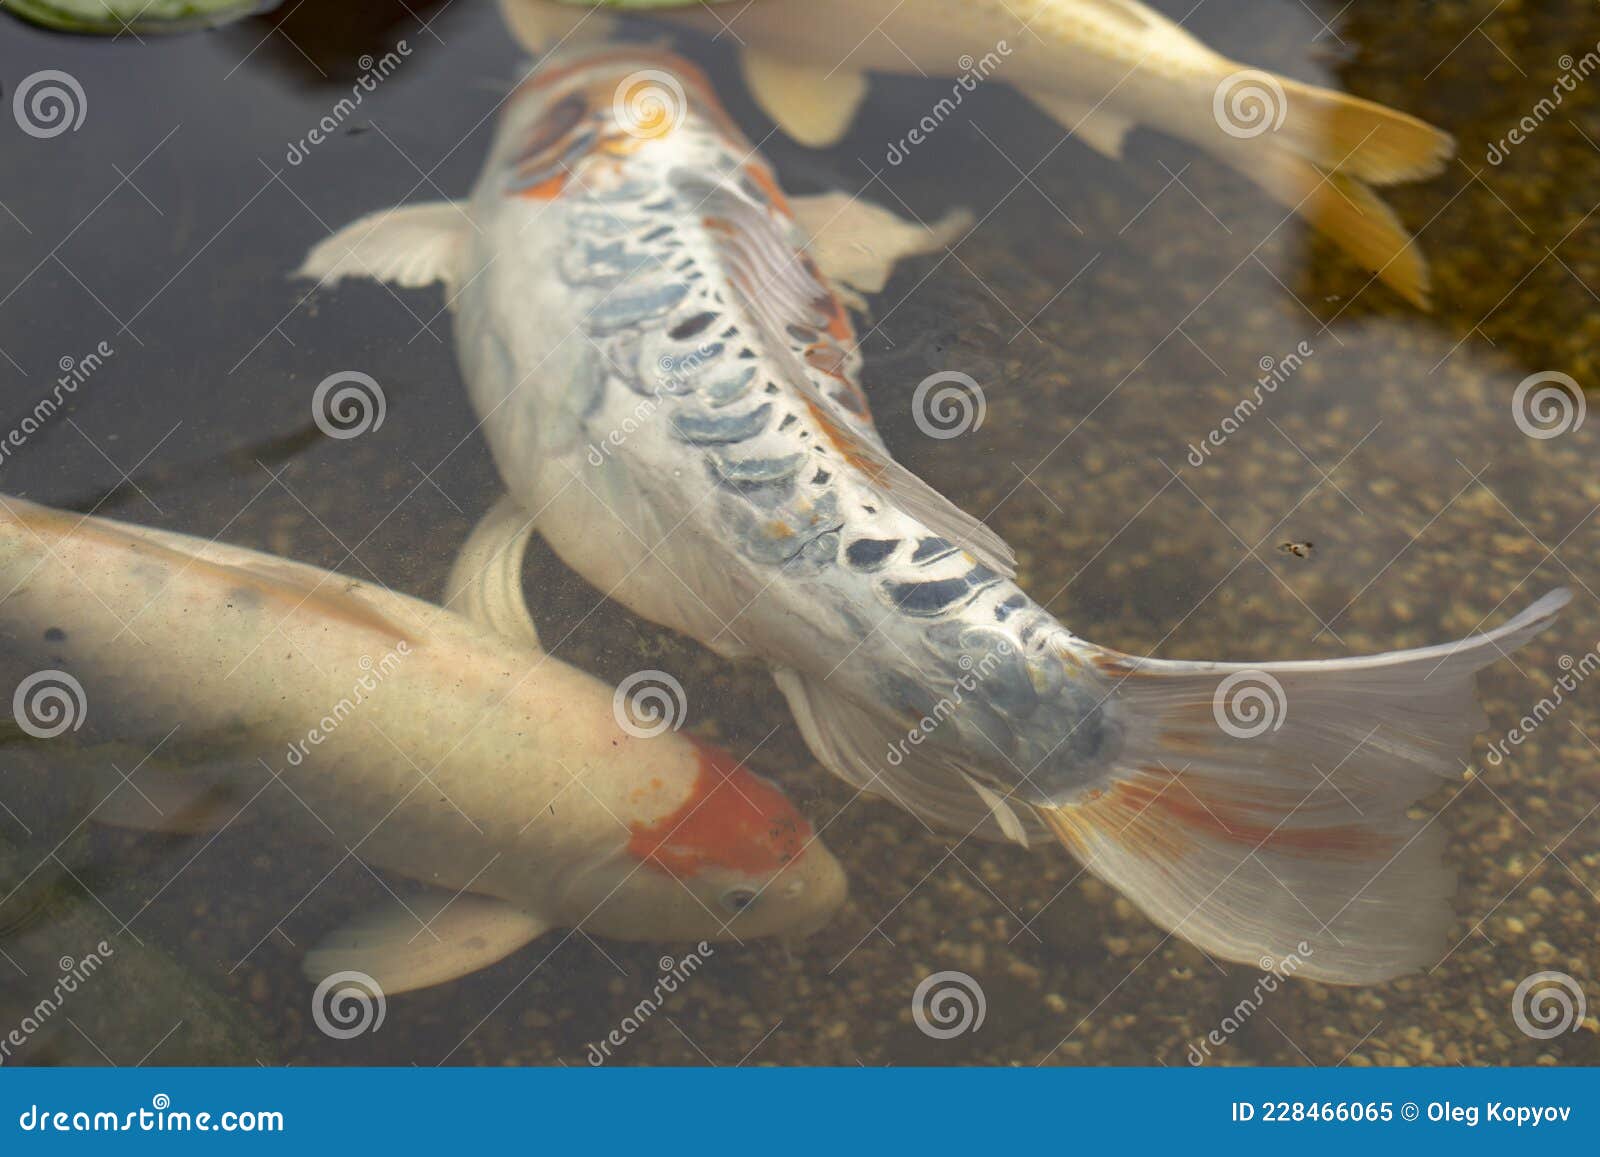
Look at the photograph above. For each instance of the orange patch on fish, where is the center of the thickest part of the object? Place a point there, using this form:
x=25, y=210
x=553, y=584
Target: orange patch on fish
x=1202, y=812
x=761, y=177
x=732, y=819
x=846, y=443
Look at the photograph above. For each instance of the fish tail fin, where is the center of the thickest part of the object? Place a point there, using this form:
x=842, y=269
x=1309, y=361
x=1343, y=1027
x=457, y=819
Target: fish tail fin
x=1320, y=152
x=1361, y=138
x=1260, y=812
x=1350, y=213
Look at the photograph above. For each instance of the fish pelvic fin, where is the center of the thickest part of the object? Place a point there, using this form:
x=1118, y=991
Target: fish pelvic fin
x=429, y=939
x=1260, y=812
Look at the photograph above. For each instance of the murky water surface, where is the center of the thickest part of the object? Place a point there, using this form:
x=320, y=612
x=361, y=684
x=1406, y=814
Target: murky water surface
x=1382, y=494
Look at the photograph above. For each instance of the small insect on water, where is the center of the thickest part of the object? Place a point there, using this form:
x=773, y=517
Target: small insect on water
x=1298, y=549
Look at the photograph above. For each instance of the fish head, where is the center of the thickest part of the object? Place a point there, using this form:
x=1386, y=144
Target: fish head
x=588, y=114
x=734, y=860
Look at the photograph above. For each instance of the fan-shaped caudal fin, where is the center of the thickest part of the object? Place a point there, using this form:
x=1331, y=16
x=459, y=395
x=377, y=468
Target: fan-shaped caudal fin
x=1360, y=138
x=1351, y=214
x=1260, y=812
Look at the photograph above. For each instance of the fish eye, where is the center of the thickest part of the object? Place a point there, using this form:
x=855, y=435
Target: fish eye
x=738, y=899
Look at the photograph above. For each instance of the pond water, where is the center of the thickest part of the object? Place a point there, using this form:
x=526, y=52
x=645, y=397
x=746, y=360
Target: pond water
x=1383, y=494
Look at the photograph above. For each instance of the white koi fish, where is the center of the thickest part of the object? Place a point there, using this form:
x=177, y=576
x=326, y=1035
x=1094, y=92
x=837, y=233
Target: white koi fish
x=1098, y=67
x=435, y=748
x=669, y=379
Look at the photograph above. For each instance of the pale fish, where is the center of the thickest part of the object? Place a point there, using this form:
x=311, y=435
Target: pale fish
x=1098, y=67
x=670, y=380
x=437, y=749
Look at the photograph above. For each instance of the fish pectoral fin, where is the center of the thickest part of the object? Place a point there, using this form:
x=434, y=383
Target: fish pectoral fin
x=858, y=243
x=410, y=245
x=425, y=941
x=1104, y=132
x=851, y=742
x=813, y=105
x=486, y=581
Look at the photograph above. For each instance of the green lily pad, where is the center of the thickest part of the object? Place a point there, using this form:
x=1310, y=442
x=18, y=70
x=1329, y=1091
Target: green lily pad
x=641, y=4
x=109, y=17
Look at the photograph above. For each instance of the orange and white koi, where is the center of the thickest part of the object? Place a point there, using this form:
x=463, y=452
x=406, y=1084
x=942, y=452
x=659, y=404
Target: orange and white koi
x=669, y=379
x=434, y=747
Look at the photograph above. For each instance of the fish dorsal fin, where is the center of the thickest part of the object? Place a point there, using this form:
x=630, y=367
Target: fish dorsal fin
x=780, y=288
x=292, y=584
x=813, y=105
x=410, y=246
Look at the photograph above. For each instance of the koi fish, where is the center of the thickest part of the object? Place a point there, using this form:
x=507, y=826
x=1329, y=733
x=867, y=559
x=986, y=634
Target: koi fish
x=670, y=379
x=1098, y=68
x=438, y=749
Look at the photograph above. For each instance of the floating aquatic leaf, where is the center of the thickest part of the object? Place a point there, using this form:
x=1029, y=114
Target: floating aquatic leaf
x=110, y=17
